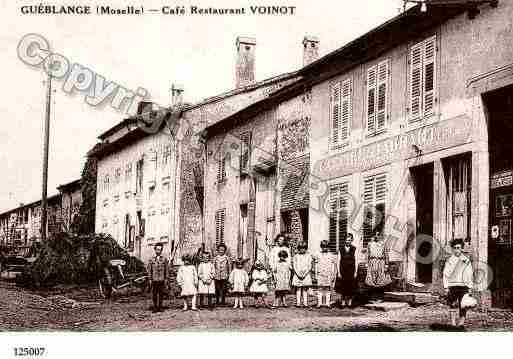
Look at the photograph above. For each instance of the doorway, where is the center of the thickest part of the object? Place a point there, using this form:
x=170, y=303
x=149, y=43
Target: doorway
x=423, y=180
x=499, y=108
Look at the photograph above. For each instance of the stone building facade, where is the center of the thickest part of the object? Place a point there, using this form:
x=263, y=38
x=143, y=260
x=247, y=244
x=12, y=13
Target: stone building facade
x=405, y=140
x=257, y=163
x=401, y=139
x=181, y=226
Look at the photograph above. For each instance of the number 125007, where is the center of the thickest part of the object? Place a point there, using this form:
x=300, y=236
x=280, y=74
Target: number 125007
x=29, y=351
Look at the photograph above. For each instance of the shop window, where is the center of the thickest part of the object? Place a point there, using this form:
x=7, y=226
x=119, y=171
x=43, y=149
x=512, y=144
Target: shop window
x=459, y=189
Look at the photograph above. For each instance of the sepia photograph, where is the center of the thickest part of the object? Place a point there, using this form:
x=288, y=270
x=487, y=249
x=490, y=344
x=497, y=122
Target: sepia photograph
x=327, y=167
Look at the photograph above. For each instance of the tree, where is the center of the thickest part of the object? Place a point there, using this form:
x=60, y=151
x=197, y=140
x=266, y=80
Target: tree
x=84, y=221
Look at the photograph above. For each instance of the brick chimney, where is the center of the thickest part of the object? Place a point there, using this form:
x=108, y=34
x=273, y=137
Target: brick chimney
x=176, y=94
x=245, y=63
x=310, y=49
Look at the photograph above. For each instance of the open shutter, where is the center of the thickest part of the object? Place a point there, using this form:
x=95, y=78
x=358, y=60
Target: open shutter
x=382, y=99
x=335, y=113
x=368, y=201
x=221, y=170
x=245, y=154
x=429, y=75
x=342, y=214
x=346, y=110
x=371, y=99
x=338, y=215
x=381, y=195
x=333, y=233
x=220, y=218
x=416, y=82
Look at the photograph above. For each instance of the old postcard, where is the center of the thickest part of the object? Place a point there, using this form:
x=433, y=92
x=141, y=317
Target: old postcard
x=253, y=166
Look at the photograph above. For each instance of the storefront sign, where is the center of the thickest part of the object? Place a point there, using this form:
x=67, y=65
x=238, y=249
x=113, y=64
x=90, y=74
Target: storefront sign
x=501, y=179
x=434, y=137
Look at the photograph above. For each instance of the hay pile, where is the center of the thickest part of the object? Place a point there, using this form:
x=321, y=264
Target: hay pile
x=72, y=259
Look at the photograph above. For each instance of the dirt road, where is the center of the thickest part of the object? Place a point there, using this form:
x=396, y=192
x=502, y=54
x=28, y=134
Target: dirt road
x=82, y=310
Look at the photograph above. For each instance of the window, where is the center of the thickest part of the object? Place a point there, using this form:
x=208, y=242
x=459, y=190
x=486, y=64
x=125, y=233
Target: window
x=245, y=151
x=221, y=169
x=117, y=176
x=338, y=215
x=106, y=183
x=374, y=198
x=423, y=79
x=220, y=217
x=377, y=98
x=166, y=156
x=128, y=173
x=139, y=176
x=340, y=112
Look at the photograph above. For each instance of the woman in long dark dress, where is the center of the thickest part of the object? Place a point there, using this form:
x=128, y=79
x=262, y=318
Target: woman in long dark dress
x=347, y=271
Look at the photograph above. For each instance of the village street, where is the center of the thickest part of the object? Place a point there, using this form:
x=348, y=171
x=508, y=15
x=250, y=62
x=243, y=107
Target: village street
x=81, y=310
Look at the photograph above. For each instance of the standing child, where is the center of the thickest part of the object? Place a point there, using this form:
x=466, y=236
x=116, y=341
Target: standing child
x=206, y=287
x=326, y=274
x=187, y=279
x=222, y=268
x=259, y=284
x=239, y=280
x=282, y=273
x=158, y=271
x=302, y=268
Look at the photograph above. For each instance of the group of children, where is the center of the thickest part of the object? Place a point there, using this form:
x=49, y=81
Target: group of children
x=210, y=278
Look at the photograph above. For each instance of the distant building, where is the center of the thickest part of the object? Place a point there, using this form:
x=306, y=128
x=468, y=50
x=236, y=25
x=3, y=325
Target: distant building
x=21, y=226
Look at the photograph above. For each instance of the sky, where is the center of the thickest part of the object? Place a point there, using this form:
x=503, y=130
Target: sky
x=151, y=51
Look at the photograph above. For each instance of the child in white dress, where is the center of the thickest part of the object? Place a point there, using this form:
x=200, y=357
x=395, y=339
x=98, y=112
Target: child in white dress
x=326, y=274
x=239, y=280
x=259, y=284
x=302, y=280
x=206, y=286
x=187, y=279
x=282, y=274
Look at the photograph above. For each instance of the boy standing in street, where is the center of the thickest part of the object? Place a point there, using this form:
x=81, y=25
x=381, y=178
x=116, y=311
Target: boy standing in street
x=158, y=271
x=222, y=268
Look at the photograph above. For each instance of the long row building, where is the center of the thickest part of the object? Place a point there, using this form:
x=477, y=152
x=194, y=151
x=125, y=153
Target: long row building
x=404, y=131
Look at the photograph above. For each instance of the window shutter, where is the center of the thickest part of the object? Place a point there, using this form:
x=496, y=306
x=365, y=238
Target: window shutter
x=374, y=199
x=221, y=170
x=338, y=215
x=381, y=188
x=245, y=139
x=335, y=113
x=371, y=99
x=368, y=201
x=416, y=83
x=346, y=110
x=382, y=99
x=429, y=75
x=220, y=217
x=333, y=198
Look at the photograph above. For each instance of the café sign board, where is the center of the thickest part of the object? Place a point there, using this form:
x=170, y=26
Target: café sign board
x=430, y=138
